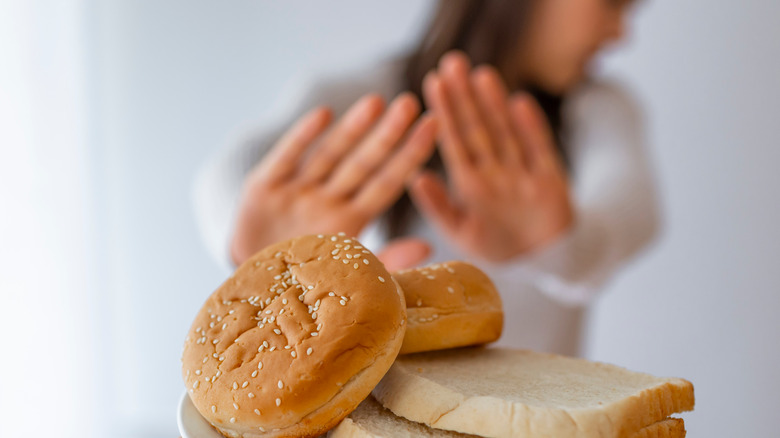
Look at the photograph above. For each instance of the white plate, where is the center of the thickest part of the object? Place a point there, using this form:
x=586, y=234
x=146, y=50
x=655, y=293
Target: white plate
x=191, y=424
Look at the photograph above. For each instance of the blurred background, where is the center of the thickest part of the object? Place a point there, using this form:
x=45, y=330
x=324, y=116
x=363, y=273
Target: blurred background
x=107, y=108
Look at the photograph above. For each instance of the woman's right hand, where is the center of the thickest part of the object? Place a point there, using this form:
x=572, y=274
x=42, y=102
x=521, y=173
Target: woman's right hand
x=320, y=178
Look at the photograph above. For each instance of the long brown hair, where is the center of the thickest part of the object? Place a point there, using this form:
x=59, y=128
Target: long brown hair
x=489, y=32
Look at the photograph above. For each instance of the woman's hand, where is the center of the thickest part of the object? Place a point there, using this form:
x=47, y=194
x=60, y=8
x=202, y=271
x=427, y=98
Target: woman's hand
x=508, y=192
x=320, y=178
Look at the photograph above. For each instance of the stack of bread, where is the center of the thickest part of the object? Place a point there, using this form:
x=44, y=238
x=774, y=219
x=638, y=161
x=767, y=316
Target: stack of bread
x=313, y=336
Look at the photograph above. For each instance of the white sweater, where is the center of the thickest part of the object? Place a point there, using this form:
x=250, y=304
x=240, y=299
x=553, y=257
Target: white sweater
x=544, y=293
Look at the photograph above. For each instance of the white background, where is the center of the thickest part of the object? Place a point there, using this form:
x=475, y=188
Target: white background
x=108, y=108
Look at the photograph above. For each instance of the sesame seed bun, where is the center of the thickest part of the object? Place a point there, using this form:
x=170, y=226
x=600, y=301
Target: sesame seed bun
x=294, y=340
x=449, y=305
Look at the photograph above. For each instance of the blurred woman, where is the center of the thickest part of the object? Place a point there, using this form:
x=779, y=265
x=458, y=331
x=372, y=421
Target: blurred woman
x=539, y=176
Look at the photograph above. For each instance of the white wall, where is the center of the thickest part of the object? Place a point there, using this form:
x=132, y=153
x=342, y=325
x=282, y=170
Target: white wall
x=167, y=81
x=703, y=304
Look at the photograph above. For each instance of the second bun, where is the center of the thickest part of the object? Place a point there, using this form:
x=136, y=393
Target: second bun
x=452, y=304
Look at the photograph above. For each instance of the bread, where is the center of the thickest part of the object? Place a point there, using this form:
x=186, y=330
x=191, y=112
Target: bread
x=505, y=393
x=371, y=420
x=294, y=340
x=449, y=305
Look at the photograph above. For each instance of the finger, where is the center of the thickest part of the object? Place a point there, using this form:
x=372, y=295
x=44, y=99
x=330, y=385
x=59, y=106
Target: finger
x=282, y=161
x=355, y=123
x=493, y=99
x=387, y=185
x=454, y=153
x=533, y=129
x=404, y=253
x=374, y=150
x=454, y=69
x=429, y=194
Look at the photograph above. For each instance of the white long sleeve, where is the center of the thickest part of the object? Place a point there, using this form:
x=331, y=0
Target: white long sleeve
x=614, y=195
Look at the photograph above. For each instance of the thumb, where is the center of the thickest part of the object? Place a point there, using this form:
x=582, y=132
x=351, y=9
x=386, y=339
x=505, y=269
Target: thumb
x=404, y=253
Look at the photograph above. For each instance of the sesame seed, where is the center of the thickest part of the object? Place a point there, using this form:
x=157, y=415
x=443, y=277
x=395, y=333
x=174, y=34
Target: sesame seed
x=349, y=256
x=381, y=279
x=215, y=355
x=235, y=385
x=254, y=373
x=346, y=262
x=280, y=384
x=250, y=395
x=211, y=324
x=308, y=351
x=450, y=289
x=245, y=384
x=197, y=372
x=235, y=406
x=293, y=353
x=221, y=358
x=277, y=277
x=342, y=302
x=231, y=312
x=334, y=252
x=270, y=268
x=310, y=287
x=232, y=419
x=215, y=341
x=365, y=261
x=356, y=265
x=195, y=385
x=314, y=315
x=277, y=331
x=314, y=334
x=281, y=311
x=205, y=359
x=317, y=304
x=259, y=365
x=217, y=373
x=278, y=401
x=265, y=344
x=257, y=411
x=224, y=326
x=331, y=294
x=287, y=347
x=284, y=300
x=213, y=408
x=272, y=348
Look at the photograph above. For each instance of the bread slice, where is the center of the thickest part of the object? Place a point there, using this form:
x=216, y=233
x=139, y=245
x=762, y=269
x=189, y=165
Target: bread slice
x=508, y=393
x=371, y=420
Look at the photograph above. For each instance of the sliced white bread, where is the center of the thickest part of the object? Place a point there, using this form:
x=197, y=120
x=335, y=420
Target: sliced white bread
x=371, y=420
x=508, y=393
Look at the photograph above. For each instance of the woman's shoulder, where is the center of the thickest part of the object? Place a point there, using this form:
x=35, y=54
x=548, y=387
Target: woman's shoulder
x=342, y=85
x=600, y=98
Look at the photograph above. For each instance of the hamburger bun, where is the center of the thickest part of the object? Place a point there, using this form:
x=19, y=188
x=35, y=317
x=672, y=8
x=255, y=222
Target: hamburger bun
x=294, y=340
x=452, y=304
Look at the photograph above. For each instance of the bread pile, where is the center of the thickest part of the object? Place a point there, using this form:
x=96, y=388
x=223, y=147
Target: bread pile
x=295, y=341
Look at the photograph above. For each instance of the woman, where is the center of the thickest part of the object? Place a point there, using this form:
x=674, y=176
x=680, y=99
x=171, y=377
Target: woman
x=539, y=179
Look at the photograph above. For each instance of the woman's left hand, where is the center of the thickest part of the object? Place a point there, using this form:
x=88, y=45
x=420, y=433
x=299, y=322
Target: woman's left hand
x=508, y=193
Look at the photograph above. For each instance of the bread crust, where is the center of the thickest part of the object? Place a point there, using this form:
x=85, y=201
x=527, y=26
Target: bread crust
x=295, y=339
x=371, y=420
x=634, y=400
x=449, y=305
